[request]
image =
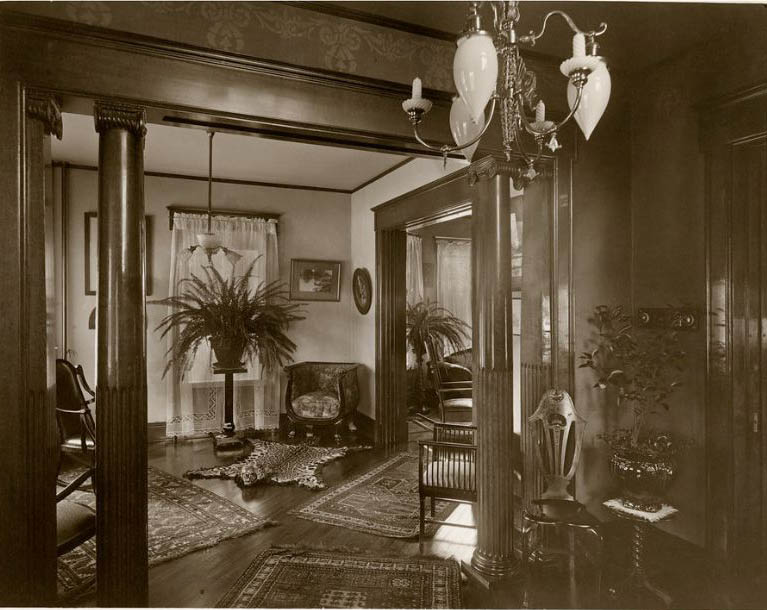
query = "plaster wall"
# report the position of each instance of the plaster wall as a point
(406, 178)
(313, 225)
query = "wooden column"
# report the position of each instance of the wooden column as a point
(391, 383)
(493, 377)
(121, 437)
(32, 578)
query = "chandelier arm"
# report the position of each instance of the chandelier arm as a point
(557, 126)
(532, 36)
(448, 149)
(520, 145)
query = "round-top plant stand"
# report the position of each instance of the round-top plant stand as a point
(637, 581)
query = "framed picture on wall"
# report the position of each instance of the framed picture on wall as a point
(314, 280)
(91, 253)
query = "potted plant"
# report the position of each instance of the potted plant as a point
(239, 323)
(643, 367)
(427, 321)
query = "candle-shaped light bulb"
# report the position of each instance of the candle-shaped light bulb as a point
(540, 112)
(579, 45)
(417, 87)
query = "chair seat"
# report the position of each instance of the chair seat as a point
(316, 405)
(74, 524)
(458, 403)
(455, 474)
(566, 512)
(75, 442)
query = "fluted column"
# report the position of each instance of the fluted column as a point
(493, 372)
(121, 442)
(43, 117)
(391, 389)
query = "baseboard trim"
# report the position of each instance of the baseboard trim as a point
(155, 431)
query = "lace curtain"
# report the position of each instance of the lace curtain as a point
(195, 405)
(454, 277)
(414, 280)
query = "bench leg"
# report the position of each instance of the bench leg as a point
(422, 516)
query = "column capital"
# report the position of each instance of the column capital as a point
(489, 167)
(113, 115)
(45, 107)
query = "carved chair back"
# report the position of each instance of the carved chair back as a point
(559, 434)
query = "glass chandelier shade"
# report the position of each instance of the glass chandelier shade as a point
(464, 128)
(490, 74)
(475, 72)
(594, 98)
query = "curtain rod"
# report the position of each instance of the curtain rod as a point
(180, 209)
(453, 238)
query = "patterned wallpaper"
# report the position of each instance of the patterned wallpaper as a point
(282, 33)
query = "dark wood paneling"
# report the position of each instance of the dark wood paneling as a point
(121, 507)
(390, 387)
(734, 138)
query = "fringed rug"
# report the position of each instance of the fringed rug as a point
(303, 578)
(279, 463)
(383, 501)
(182, 518)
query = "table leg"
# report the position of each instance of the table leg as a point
(637, 580)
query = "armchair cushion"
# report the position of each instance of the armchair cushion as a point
(316, 405)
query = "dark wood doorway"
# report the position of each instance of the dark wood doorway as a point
(735, 143)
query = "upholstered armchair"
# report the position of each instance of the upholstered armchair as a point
(321, 394)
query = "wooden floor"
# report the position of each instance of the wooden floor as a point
(201, 578)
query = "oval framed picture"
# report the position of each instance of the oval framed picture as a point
(362, 289)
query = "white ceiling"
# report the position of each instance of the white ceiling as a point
(180, 150)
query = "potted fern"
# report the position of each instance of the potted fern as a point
(643, 368)
(238, 322)
(427, 321)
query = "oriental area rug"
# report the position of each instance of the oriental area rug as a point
(383, 501)
(303, 578)
(280, 463)
(182, 518)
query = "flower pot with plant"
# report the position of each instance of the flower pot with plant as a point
(643, 368)
(427, 321)
(238, 322)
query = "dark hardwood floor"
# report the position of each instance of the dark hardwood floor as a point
(201, 578)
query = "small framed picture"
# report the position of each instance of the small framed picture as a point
(313, 280)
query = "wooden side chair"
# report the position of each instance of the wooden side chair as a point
(74, 418)
(558, 436)
(452, 382)
(75, 522)
(447, 467)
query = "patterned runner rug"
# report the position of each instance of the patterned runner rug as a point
(182, 518)
(303, 578)
(279, 463)
(383, 501)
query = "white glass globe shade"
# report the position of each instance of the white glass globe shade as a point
(464, 128)
(208, 241)
(596, 94)
(475, 72)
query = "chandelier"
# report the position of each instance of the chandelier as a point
(512, 89)
(210, 242)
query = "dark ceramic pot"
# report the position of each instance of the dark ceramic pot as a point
(644, 479)
(228, 351)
